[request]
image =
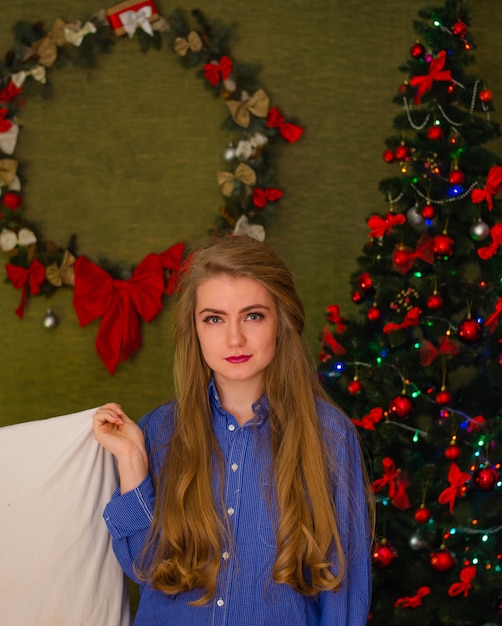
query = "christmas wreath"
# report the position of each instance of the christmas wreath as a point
(120, 298)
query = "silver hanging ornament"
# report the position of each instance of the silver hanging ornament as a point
(50, 320)
(414, 217)
(229, 153)
(418, 542)
(480, 230)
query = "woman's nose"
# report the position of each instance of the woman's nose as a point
(235, 335)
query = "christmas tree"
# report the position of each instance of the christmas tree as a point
(419, 368)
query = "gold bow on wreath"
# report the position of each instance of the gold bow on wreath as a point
(62, 274)
(258, 105)
(8, 169)
(192, 42)
(243, 173)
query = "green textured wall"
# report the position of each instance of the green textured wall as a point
(126, 156)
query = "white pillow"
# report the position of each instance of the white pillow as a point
(57, 567)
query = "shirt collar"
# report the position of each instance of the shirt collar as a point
(260, 407)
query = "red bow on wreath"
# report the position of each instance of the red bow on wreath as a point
(467, 575)
(26, 279)
(5, 124)
(120, 303)
(412, 601)
(457, 480)
(492, 187)
(429, 352)
(216, 69)
(488, 251)
(262, 196)
(381, 226)
(491, 322)
(412, 318)
(290, 132)
(436, 72)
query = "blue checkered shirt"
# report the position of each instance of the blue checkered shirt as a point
(246, 595)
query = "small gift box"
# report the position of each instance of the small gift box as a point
(127, 16)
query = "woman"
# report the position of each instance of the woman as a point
(244, 501)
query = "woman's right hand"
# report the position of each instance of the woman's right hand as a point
(121, 436)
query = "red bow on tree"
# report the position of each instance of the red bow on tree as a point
(488, 251)
(381, 226)
(436, 72)
(467, 575)
(492, 187)
(492, 321)
(428, 352)
(120, 303)
(335, 318)
(403, 257)
(368, 421)
(388, 477)
(290, 132)
(457, 480)
(26, 279)
(412, 601)
(328, 338)
(262, 196)
(412, 318)
(222, 68)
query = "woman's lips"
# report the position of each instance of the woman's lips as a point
(242, 358)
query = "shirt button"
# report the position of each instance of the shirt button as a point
(220, 602)
(235, 467)
(231, 427)
(230, 511)
(225, 555)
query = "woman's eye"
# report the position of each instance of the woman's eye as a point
(212, 319)
(253, 317)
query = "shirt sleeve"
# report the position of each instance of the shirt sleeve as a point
(128, 518)
(350, 604)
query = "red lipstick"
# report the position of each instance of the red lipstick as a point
(242, 358)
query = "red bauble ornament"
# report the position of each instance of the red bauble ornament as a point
(470, 331)
(459, 29)
(357, 297)
(435, 302)
(388, 156)
(443, 245)
(442, 560)
(453, 452)
(422, 515)
(417, 50)
(364, 281)
(383, 553)
(401, 406)
(374, 314)
(402, 153)
(435, 133)
(428, 212)
(485, 95)
(443, 397)
(12, 200)
(456, 177)
(485, 478)
(401, 257)
(355, 386)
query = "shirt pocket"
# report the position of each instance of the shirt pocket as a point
(267, 520)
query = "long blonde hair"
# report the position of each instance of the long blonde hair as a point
(188, 535)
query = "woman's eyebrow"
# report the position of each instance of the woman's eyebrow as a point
(244, 310)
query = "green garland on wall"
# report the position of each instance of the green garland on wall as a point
(38, 266)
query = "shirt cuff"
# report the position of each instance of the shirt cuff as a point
(131, 512)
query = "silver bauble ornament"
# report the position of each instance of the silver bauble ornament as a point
(229, 154)
(480, 230)
(418, 542)
(50, 320)
(415, 218)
